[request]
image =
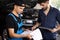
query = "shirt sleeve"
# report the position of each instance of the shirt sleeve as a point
(58, 16)
(39, 19)
(9, 22)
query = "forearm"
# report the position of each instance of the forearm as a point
(14, 35)
(37, 24)
(18, 35)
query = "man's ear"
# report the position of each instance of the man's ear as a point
(15, 6)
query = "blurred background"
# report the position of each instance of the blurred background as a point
(32, 5)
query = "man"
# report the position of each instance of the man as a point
(48, 16)
(14, 23)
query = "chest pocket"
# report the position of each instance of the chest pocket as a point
(19, 24)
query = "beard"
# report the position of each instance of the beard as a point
(44, 8)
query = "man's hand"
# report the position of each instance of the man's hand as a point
(33, 28)
(29, 36)
(53, 30)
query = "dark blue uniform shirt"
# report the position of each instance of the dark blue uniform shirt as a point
(49, 21)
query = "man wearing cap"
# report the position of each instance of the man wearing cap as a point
(14, 23)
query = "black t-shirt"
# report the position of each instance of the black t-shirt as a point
(11, 23)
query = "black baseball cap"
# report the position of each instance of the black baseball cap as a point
(19, 3)
(10, 5)
(16, 2)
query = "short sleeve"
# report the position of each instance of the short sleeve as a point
(39, 18)
(9, 22)
(58, 17)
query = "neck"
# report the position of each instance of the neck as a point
(47, 10)
(48, 7)
(15, 13)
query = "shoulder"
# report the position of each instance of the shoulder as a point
(40, 11)
(55, 9)
(9, 18)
